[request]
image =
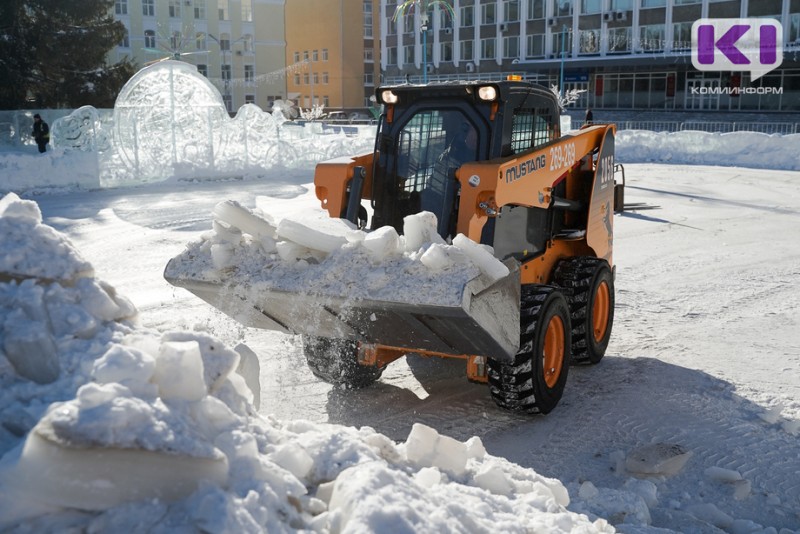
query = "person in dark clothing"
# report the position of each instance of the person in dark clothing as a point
(589, 116)
(41, 132)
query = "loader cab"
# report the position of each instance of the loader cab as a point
(427, 132)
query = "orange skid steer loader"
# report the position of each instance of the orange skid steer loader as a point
(488, 159)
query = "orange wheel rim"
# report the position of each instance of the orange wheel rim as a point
(600, 311)
(553, 351)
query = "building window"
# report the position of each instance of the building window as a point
(175, 8)
(247, 43)
(297, 78)
(794, 29)
(249, 71)
(488, 48)
(511, 10)
(200, 41)
(200, 10)
(324, 78)
(467, 50)
(535, 9)
(225, 42)
(619, 40)
(225, 72)
(488, 14)
(589, 7)
(391, 26)
(684, 2)
(621, 5)
(562, 8)
(368, 19)
(148, 8)
(247, 10)
(324, 54)
(391, 55)
(314, 55)
(589, 42)
(408, 24)
(315, 77)
(535, 46)
(408, 54)
(203, 69)
(682, 36)
(149, 39)
(446, 51)
(249, 99)
(228, 101)
(511, 47)
(306, 79)
(126, 40)
(445, 19)
(369, 55)
(305, 55)
(468, 16)
(369, 78)
(121, 7)
(654, 3)
(652, 37)
(222, 7)
(297, 57)
(566, 43)
(176, 41)
(326, 101)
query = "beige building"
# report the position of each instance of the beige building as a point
(332, 47)
(238, 44)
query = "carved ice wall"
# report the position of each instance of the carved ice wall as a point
(170, 121)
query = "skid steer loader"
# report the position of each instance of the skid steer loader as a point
(488, 159)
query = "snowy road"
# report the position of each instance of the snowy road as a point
(705, 351)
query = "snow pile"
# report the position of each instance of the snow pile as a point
(314, 254)
(141, 431)
(745, 149)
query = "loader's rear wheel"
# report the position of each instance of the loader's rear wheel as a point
(336, 362)
(534, 381)
(591, 305)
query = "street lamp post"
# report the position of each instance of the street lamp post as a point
(424, 29)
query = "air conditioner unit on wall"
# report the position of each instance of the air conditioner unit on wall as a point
(239, 52)
(608, 17)
(504, 27)
(470, 67)
(429, 68)
(621, 15)
(552, 22)
(448, 31)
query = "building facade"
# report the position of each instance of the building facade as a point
(332, 47)
(238, 44)
(625, 54)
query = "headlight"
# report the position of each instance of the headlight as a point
(388, 97)
(487, 92)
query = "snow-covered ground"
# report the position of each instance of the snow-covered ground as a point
(700, 385)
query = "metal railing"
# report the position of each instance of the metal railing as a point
(781, 128)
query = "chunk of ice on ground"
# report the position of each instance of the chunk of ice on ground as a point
(382, 243)
(302, 234)
(425, 447)
(657, 459)
(179, 371)
(238, 216)
(723, 475)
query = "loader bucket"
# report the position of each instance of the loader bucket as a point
(485, 323)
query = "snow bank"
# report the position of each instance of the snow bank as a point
(742, 149)
(144, 431)
(314, 254)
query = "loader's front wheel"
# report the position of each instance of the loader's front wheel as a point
(591, 305)
(534, 381)
(336, 362)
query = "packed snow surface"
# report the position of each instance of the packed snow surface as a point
(689, 424)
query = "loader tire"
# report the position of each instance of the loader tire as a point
(336, 362)
(534, 381)
(589, 284)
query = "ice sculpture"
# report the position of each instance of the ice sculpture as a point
(167, 115)
(81, 130)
